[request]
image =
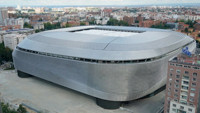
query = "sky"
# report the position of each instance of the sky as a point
(92, 2)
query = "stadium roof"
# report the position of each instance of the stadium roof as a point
(107, 42)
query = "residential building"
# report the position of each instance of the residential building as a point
(129, 20)
(38, 26)
(11, 40)
(3, 15)
(197, 26)
(183, 84)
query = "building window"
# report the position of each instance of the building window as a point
(171, 69)
(191, 104)
(186, 82)
(169, 89)
(170, 84)
(193, 89)
(183, 102)
(181, 107)
(195, 74)
(179, 65)
(195, 68)
(189, 109)
(177, 81)
(178, 71)
(184, 87)
(192, 99)
(194, 79)
(184, 92)
(175, 100)
(193, 84)
(192, 94)
(186, 77)
(184, 97)
(176, 85)
(176, 90)
(170, 74)
(175, 95)
(186, 72)
(174, 110)
(169, 93)
(174, 105)
(171, 64)
(170, 79)
(177, 76)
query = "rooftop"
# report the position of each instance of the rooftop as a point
(194, 59)
(105, 42)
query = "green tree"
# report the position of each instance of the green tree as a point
(5, 53)
(40, 19)
(199, 35)
(67, 25)
(92, 22)
(7, 109)
(136, 21)
(122, 23)
(21, 109)
(160, 26)
(186, 30)
(115, 22)
(37, 30)
(82, 23)
(48, 26)
(27, 25)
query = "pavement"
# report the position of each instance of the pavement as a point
(47, 97)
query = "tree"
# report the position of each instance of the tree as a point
(82, 23)
(27, 25)
(92, 22)
(7, 109)
(37, 30)
(48, 26)
(21, 109)
(136, 21)
(186, 30)
(160, 26)
(115, 22)
(5, 54)
(40, 19)
(67, 25)
(122, 23)
(112, 22)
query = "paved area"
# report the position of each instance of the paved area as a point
(51, 98)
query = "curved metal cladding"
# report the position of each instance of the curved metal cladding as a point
(106, 67)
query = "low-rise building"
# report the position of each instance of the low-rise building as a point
(197, 26)
(38, 26)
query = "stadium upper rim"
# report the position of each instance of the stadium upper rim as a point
(107, 42)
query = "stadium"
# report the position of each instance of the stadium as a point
(113, 64)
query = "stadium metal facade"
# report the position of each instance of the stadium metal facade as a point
(110, 63)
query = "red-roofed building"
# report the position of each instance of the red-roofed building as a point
(182, 26)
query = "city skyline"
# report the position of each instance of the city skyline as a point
(91, 2)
